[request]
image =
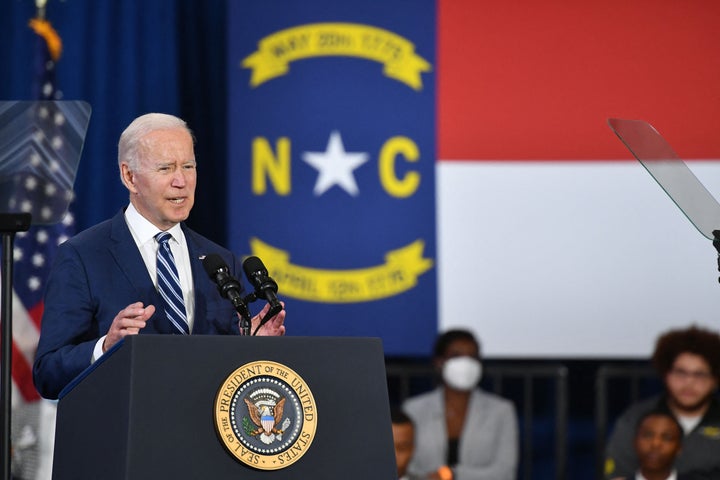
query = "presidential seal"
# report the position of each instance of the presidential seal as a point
(265, 415)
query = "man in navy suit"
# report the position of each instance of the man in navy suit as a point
(103, 285)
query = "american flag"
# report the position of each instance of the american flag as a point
(40, 146)
(36, 189)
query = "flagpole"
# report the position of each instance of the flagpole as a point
(40, 6)
(10, 224)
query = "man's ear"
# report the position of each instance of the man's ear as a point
(127, 177)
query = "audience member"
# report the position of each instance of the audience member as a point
(658, 440)
(688, 361)
(404, 439)
(461, 431)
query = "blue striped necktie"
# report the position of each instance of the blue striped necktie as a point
(169, 285)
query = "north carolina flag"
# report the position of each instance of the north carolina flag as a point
(332, 162)
(551, 240)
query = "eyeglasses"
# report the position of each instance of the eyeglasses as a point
(697, 375)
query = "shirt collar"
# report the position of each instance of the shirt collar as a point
(144, 230)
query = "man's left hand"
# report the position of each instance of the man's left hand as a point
(273, 327)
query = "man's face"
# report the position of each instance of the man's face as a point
(162, 189)
(403, 437)
(690, 383)
(657, 443)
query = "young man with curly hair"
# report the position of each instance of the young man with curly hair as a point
(688, 361)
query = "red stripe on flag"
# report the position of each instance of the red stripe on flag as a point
(35, 313)
(22, 375)
(527, 80)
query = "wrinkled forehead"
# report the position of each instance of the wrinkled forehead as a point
(173, 145)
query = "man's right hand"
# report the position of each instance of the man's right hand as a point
(128, 321)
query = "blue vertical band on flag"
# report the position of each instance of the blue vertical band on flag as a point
(332, 162)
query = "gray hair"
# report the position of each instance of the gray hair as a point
(130, 140)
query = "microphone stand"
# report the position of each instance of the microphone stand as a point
(242, 308)
(244, 319)
(270, 313)
(247, 300)
(10, 224)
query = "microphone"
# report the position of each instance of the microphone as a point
(265, 287)
(227, 285)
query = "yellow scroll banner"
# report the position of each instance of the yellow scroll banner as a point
(398, 274)
(276, 51)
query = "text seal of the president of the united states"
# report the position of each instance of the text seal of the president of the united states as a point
(265, 415)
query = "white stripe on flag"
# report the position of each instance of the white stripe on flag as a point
(570, 259)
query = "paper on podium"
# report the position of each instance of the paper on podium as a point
(670, 172)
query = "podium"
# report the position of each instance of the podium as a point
(149, 408)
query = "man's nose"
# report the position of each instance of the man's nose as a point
(179, 179)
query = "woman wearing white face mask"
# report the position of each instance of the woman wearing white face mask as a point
(461, 431)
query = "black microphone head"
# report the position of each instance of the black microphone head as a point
(258, 276)
(219, 273)
(253, 266)
(214, 263)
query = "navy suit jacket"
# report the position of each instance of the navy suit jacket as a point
(99, 272)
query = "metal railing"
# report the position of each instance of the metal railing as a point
(498, 376)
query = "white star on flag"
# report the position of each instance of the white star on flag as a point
(335, 166)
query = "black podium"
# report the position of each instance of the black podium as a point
(148, 410)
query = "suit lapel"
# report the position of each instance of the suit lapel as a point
(128, 259)
(198, 272)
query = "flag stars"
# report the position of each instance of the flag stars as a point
(59, 119)
(62, 239)
(50, 189)
(17, 254)
(26, 206)
(68, 219)
(335, 166)
(47, 89)
(41, 236)
(57, 144)
(46, 213)
(30, 183)
(34, 283)
(38, 260)
(34, 159)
